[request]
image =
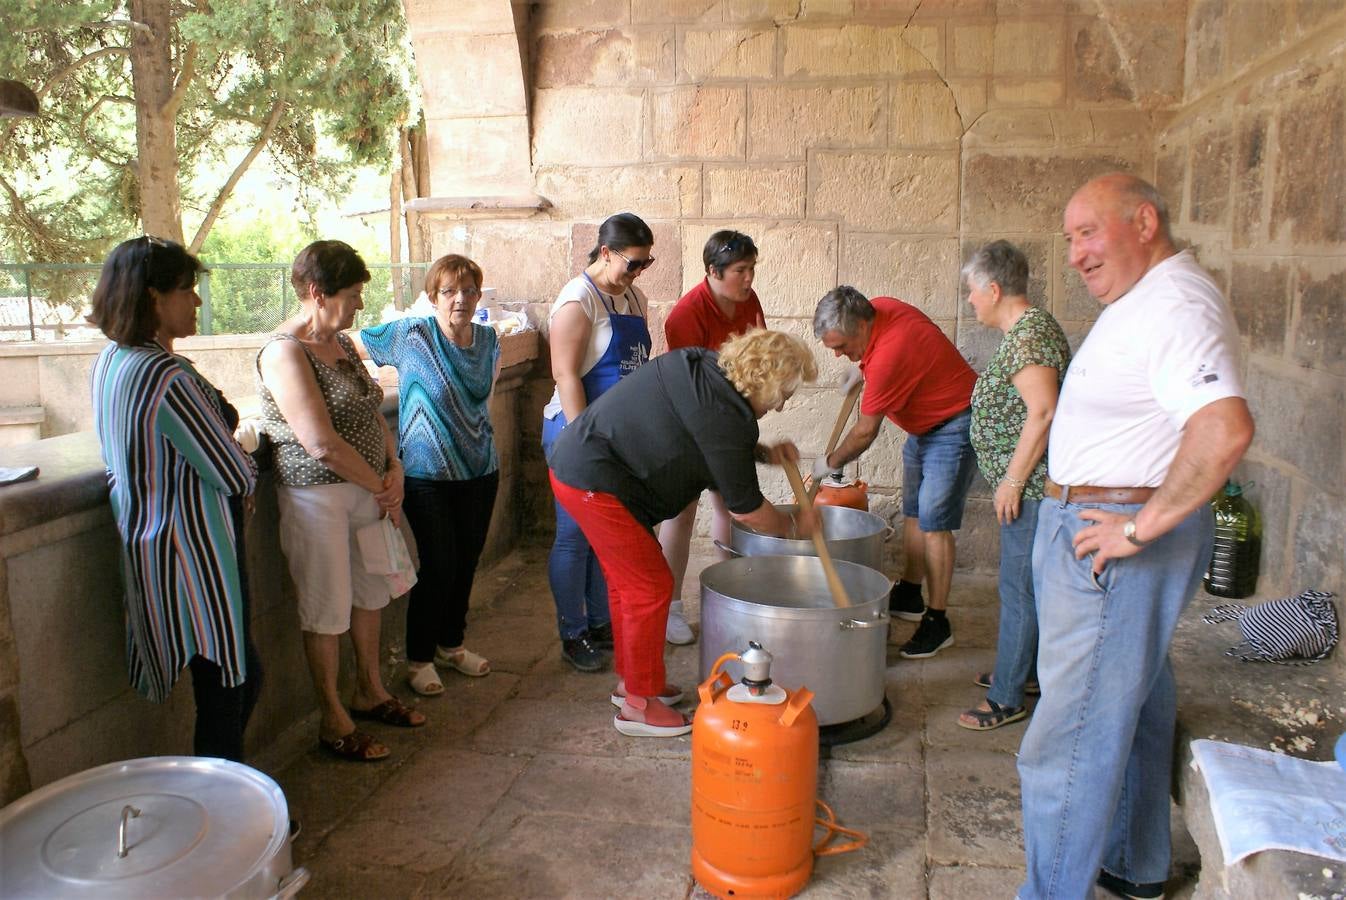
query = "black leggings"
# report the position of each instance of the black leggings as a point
(449, 520)
(222, 713)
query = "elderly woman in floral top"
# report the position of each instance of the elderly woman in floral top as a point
(1012, 408)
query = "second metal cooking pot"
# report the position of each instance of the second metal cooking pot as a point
(164, 826)
(783, 603)
(852, 534)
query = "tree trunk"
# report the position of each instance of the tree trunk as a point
(152, 79)
(411, 147)
(395, 238)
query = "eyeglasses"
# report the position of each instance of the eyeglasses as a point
(471, 293)
(152, 241)
(634, 265)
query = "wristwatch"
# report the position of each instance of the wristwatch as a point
(1129, 532)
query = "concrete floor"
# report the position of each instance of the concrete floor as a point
(520, 786)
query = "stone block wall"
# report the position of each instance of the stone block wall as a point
(869, 142)
(1254, 161)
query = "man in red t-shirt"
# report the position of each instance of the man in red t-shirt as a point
(915, 376)
(722, 305)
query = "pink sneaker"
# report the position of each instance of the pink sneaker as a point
(635, 719)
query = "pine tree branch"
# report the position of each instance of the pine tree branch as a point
(184, 81)
(76, 65)
(217, 204)
(56, 79)
(95, 149)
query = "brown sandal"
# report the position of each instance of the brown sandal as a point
(391, 712)
(358, 745)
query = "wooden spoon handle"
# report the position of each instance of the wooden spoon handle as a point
(846, 406)
(820, 544)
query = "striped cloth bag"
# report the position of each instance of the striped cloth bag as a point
(1292, 631)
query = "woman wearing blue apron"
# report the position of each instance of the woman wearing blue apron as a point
(598, 334)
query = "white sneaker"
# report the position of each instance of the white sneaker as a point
(678, 631)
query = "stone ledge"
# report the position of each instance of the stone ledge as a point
(1287, 708)
(22, 415)
(493, 207)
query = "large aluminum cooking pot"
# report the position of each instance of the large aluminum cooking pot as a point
(782, 602)
(852, 534)
(164, 826)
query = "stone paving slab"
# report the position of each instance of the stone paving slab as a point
(418, 820)
(947, 679)
(966, 882)
(874, 797)
(575, 728)
(543, 854)
(974, 808)
(610, 789)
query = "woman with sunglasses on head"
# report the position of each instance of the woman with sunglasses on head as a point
(177, 478)
(721, 306)
(446, 366)
(337, 471)
(598, 334)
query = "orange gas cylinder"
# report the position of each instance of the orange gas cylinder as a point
(754, 782)
(834, 491)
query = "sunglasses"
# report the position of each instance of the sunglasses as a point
(730, 245)
(634, 265)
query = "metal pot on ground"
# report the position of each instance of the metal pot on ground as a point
(782, 602)
(164, 826)
(852, 535)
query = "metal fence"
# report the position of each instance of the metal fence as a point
(48, 301)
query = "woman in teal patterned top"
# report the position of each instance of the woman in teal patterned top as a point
(446, 366)
(1012, 408)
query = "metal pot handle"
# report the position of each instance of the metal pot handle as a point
(852, 624)
(129, 812)
(291, 884)
(720, 545)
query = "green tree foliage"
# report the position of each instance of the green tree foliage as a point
(320, 85)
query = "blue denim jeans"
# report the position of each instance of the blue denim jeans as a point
(937, 470)
(1096, 763)
(577, 584)
(1016, 649)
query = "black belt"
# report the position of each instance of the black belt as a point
(935, 428)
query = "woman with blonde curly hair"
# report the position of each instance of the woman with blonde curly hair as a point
(644, 450)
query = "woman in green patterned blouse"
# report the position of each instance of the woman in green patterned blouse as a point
(1012, 408)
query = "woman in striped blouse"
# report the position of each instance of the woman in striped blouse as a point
(176, 477)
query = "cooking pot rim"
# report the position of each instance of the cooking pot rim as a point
(874, 593)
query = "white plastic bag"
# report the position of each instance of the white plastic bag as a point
(384, 551)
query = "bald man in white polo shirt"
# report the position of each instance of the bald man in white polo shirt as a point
(1150, 422)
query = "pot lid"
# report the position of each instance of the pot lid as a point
(188, 826)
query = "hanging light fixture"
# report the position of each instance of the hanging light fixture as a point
(17, 100)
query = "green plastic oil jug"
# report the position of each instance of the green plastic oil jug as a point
(1238, 544)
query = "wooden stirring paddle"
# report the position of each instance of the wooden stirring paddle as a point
(824, 555)
(846, 406)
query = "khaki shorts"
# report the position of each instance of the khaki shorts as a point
(317, 533)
